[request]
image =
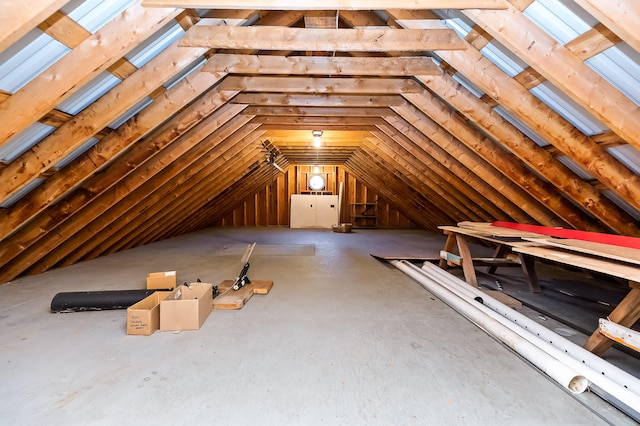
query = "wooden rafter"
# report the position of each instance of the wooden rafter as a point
(531, 43)
(320, 39)
(621, 16)
(282, 99)
(390, 86)
(61, 79)
(18, 18)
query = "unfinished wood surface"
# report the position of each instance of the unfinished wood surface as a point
(18, 18)
(584, 85)
(622, 254)
(64, 29)
(65, 76)
(328, 100)
(232, 299)
(604, 266)
(95, 117)
(389, 86)
(621, 16)
(530, 153)
(625, 314)
(323, 65)
(488, 229)
(328, 5)
(320, 39)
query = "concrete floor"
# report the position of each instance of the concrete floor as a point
(342, 339)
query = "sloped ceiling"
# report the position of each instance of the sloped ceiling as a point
(125, 122)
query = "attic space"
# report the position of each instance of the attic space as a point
(359, 144)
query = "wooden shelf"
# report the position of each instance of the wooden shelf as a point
(364, 215)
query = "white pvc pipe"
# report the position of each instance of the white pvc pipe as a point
(602, 367)
(468, 293)
(546, 363)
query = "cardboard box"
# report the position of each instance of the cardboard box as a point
(186, 307)
(143, 318)
(161, 280)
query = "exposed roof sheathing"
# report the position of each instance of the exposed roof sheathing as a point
(124, 117)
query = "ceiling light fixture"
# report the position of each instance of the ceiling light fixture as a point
(317, 138)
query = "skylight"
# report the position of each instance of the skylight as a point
(558, 20)
(569, 109)
(620, 65)
(88, 93)
(94, 14)
(24, 141)
(503, 58)
(27, 58)
(155, 44)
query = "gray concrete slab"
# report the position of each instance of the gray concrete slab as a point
(341, 339)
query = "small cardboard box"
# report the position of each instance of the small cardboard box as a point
(186, 307)
(143, 318)
(161, 280)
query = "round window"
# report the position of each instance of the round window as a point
(316, 183)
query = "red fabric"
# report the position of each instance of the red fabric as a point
(596, 237)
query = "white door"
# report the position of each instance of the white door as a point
(327, 211)
(303, 211)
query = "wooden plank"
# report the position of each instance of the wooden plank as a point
(321, 39)
(389, 86)
(318, 111)
(18, 18)
(596, 40)
(323, 65)
(623, 254)
(78, 67)
(292, 99)
(327, 5)
(64, 29)
(575, 78)
(625, 314)
(621, 16)
(604, 266)
(503, 298)
(95, 117)
(623, 335)
(231, 299)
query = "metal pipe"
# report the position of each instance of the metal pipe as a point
(627, 398)
(546, 363)
(602, 367)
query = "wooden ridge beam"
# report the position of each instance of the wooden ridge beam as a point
(321, 65)
(320, 39)
(327, 5)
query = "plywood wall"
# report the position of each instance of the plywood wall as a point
(270, 206)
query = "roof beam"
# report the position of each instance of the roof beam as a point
(19, 17)
(321, 39)
(389, 86)
(322, 65)
(327, 4)
(278, 99)
(531, 153)
(621, 16)
(556, 63)
(78, 67)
